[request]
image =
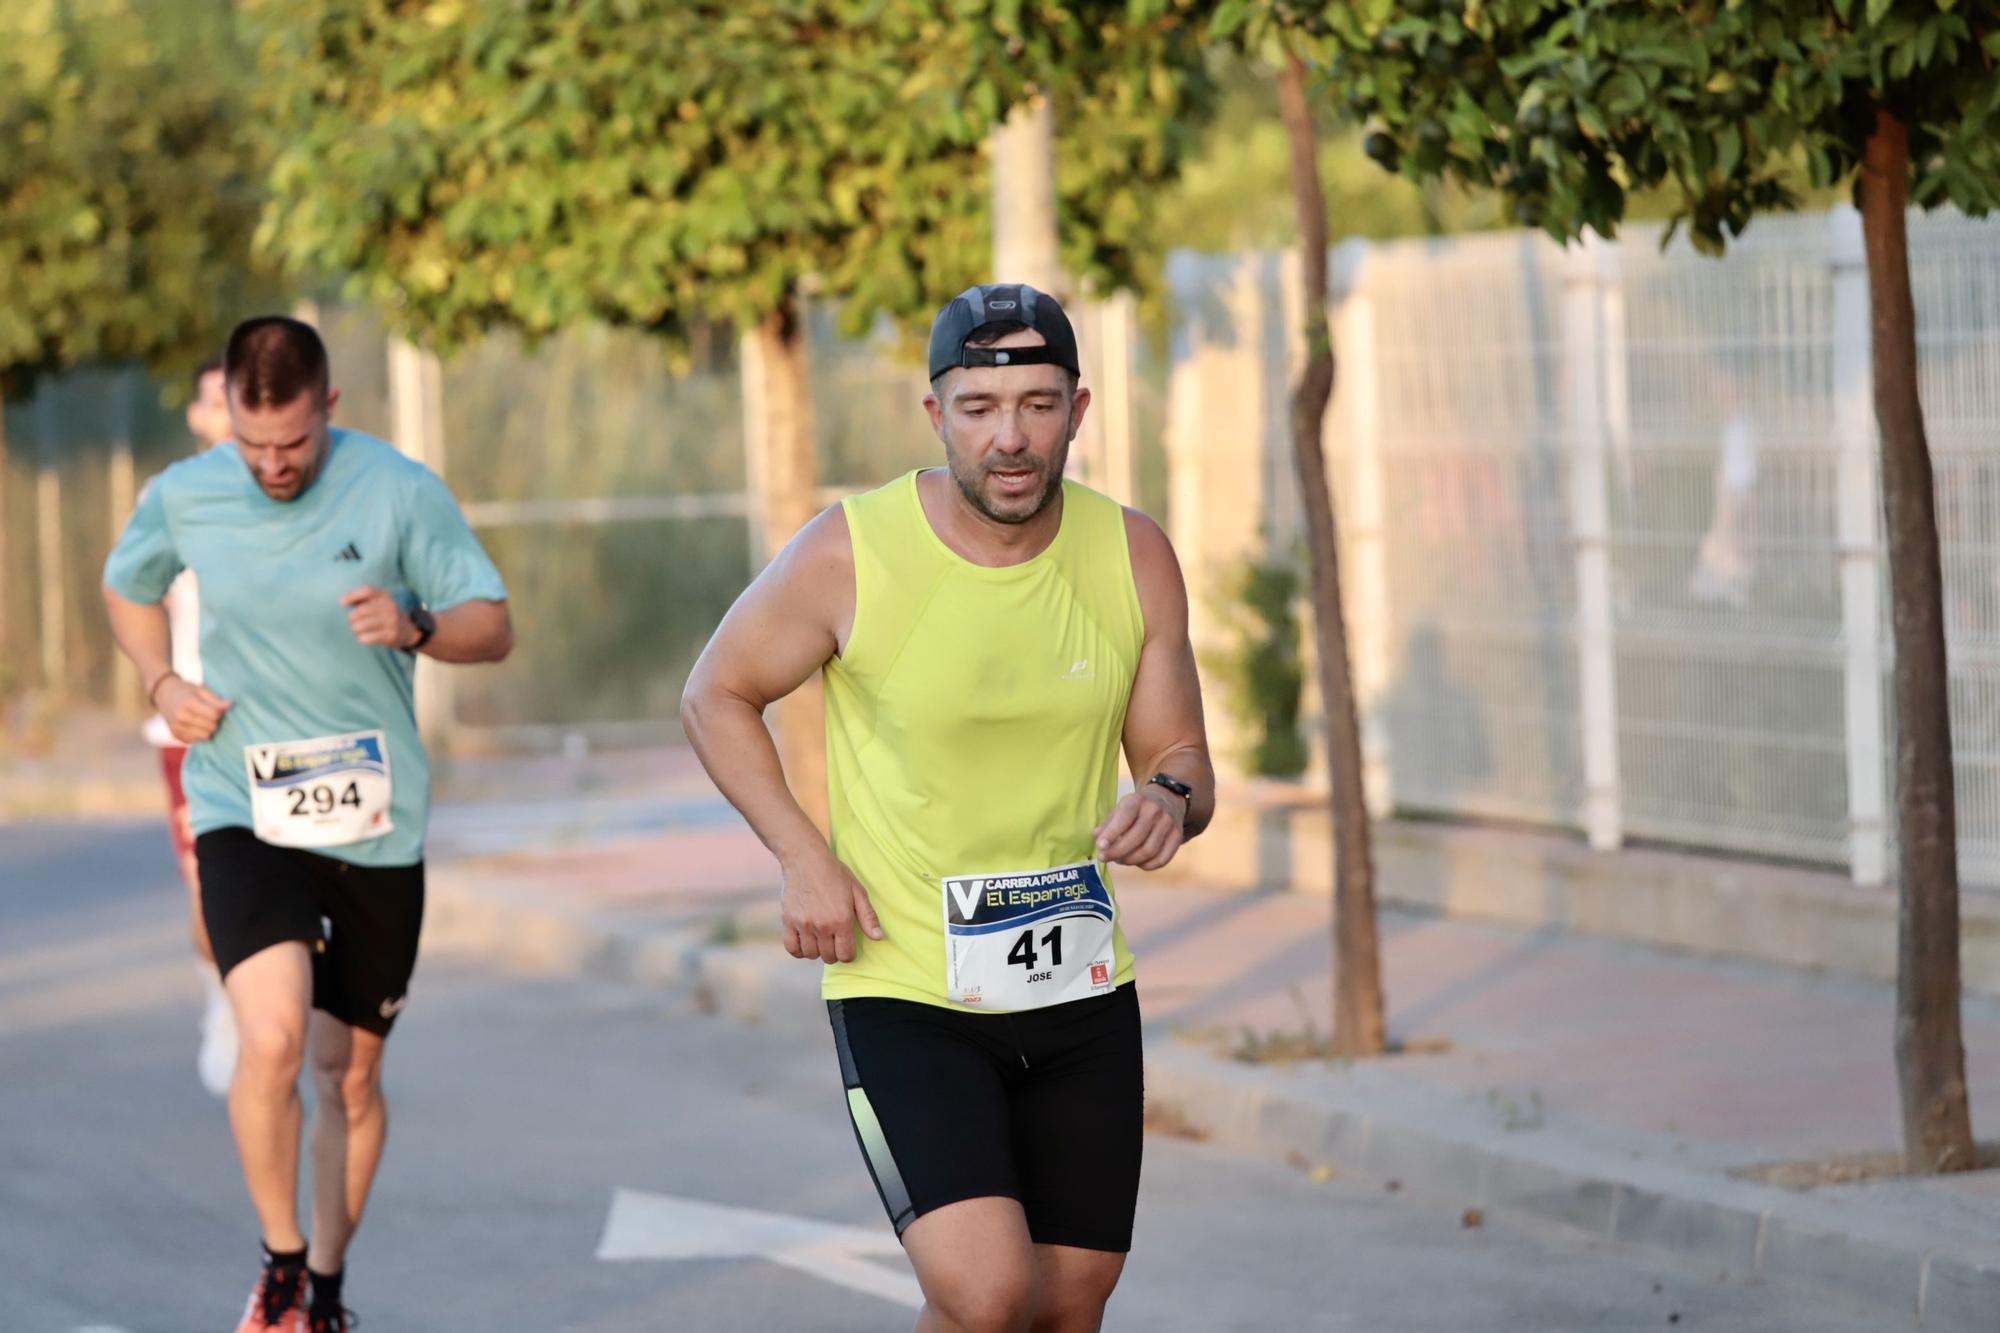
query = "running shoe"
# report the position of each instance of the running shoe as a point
(217, 1061)
(276, 1306)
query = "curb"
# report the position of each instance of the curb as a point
(742, 983)
(1439, 1142)
(539, 940)
(1889, 1258)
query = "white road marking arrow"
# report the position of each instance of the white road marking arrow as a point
(660, 1226)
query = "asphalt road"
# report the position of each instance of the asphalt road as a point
(522, 1107)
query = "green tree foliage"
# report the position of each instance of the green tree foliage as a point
(1729, 107)
(1235, 193)
(127, 193)
(127, 201)
(653, 162)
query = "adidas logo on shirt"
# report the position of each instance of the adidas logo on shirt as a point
(348, 552)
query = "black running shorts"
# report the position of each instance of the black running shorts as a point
(1046, 1107)
(361, 922)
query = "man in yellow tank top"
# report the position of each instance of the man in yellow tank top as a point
(993, 637)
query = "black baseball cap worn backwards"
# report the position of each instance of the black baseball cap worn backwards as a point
(997, 302)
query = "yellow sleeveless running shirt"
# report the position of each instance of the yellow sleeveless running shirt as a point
(973, 721)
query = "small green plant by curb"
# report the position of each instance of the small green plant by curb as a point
(1513, 1115)
(1261, 671)
(1279, 1048)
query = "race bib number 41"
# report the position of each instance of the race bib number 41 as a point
(327, 792)
(1029, 939)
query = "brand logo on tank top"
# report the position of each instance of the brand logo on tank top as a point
(1079, 670)
(348, 552)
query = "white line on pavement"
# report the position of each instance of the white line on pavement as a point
(660, 1226)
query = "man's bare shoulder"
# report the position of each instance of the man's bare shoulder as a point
(812, 579)
(1146, 539)
(823, 541)
(1157, 574)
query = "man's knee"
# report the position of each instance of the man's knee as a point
(1072, 1306)
(986, 1298)
(270, 1049)
(1074, 1293)
(356, 1084)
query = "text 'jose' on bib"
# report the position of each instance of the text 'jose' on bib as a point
(325, 792)
(1031, 938)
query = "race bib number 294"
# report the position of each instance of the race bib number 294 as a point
(1030, 938)
(326, 792)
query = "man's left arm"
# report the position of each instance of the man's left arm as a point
(474, 631)
(1164, 730)
(451, 576)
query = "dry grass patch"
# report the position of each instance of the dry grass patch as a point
(1846, 1169)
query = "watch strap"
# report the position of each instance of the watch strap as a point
(1178, 788)
(426, 624)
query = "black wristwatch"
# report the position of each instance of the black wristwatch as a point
(426, 624)
(1178, 788)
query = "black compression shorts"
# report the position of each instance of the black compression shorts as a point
(1046, 1107)
(361, 922)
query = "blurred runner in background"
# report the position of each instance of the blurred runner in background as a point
(208, 422)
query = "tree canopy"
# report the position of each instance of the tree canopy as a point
(1729, 106)
(653, 162)
(128, 193)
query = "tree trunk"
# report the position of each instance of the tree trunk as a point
(416, 413)
(49, 564)
(1359, 1026)
(1026, 244)
(1930, 1052)
(780, 454)
(127, 696)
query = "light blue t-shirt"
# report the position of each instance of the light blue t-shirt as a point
(275, 640)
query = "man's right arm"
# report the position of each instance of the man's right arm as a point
(787, 624)
(141, 632)
(137, 574)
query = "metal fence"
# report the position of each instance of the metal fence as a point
(611, 492)
(67, 481)
(1611, 522)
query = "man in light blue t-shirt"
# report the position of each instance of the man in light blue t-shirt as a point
(327, 561)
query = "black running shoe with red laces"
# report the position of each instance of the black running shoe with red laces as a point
(277, 1304)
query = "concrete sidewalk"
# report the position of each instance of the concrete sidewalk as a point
(1610, 1087)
